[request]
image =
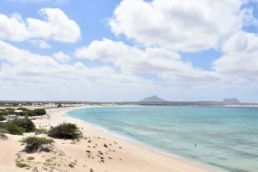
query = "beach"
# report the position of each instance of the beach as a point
(96, 151)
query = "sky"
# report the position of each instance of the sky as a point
(125, 50)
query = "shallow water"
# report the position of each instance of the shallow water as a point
(223, 137)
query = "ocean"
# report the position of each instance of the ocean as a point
(224, 137)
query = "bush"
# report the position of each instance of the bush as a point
(65, 131)
(10, 110)
(3, 113)
(2, 118)
(14, 129)
(36, 112)
(23, 109)
(34, 144)
(26, 124)
(39, 112)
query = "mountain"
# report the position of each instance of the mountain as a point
(231, 101)
(153, 99)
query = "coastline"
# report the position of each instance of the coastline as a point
(117, 153)
(140, 145)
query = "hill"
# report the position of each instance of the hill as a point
(153, 99)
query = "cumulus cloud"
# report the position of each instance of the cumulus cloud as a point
(61, 57)
(187, 26)
(39, 1)
(25, 74)
(158, 31)
(55, 26)
(40, 44)
(239, 58)
(162, 62)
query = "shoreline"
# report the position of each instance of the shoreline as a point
(137, 143)
(99, 150)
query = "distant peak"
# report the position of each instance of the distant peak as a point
(153, 98)
(231, 101)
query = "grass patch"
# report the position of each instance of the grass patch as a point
(21, 164)
(30, 158)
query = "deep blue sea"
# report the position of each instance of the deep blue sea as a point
(219, 136)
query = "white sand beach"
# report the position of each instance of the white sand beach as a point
(97, 151)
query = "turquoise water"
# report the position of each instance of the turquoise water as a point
(223, 137)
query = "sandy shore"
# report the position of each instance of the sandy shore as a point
(97, 151)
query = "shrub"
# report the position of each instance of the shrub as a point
(36, 112)
(2, 118)
(10, 110)
(36, 143)
(65, 131)
(23, 109)
(14, 129)
(25, 123)
(3, 113)
(39, 112)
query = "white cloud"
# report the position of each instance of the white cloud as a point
(61, 57)
(166, 64)
(248, 17)
(25, 75)
(39, 1)
(56, 26)
(187, 26)
(40, 44)
(161, 28)
(239, 58)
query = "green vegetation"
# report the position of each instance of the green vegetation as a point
(34, 144)
(21, 164)
(18, 126)
(22, 112)
(39, 112)
(35, 112)
(25, 123)
(65, 131)
(10, 110)
(14, 129)
(30, 158)
(2, 118)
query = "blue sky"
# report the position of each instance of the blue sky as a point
(124, 50)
